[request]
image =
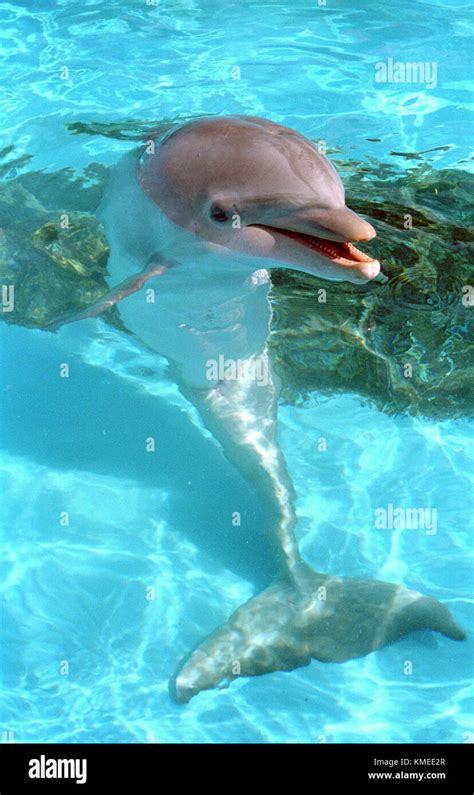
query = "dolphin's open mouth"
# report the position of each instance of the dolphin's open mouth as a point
(344, 253)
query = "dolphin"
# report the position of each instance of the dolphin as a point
(194, 221)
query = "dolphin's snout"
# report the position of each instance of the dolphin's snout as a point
(365, 232)
(345, 225)
(366, 271)
(372, 269)
(340, 225)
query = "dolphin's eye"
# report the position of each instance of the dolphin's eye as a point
(218, 214)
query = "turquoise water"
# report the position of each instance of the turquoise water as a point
(77, 594)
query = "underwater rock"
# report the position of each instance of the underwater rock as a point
(407, 344)
(54, 255)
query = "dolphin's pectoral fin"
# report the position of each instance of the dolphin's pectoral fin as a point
(116, 294)
(311, 615)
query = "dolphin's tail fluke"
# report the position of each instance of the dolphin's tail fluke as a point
(308, 616)
(302, 615)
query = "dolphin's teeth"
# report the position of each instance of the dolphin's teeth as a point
(338, 251)
(335, 253)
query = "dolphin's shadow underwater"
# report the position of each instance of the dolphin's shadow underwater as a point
(196, 220)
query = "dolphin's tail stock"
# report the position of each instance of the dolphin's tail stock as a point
(303, 614)
(308, 616)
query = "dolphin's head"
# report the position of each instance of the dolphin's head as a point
(250, 187)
